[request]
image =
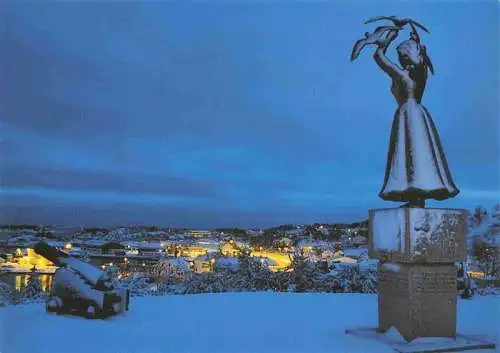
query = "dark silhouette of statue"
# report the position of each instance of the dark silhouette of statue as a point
(416, 167)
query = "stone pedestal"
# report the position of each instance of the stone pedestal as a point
(417, 277)
(420, 301)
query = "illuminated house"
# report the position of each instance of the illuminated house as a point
(148, 249)
(203, 263)
(192, 251)
(33, 261)
(230, 248)
(314, 246)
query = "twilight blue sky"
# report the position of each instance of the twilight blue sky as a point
(217, 114)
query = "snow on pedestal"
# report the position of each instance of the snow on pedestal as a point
(408, 234)
(388, 229)
(437, 233)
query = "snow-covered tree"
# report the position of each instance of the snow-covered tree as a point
(485, 225)
(253, 274)
(305, 274)
(33, 290)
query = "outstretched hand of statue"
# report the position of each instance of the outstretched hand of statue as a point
(391, 35)
(377, 37)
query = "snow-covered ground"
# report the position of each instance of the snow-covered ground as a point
(223, 323)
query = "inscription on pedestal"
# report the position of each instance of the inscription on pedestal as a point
(420, 301)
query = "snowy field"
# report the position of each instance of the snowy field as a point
(223, 323)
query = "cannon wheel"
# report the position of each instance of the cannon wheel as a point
(55, 305)
(92, 312)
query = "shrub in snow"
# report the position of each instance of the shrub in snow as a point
(137, 285)
(169, 272)
(206, 282)
(306, 275)
(488, 291)
(309, 276)
(350, 280)
(356, 281)
(8, 295)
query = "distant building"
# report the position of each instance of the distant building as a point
(358, 240)
(294, 232)
(199, 233)
(113, 248)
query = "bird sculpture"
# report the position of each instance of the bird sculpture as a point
(399, 22)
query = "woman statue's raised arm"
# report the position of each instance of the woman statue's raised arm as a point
(393, 70)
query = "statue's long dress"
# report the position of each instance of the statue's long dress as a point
(416, 164)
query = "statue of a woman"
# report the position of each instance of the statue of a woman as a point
(416, 165)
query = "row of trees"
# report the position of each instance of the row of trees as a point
(251, 274)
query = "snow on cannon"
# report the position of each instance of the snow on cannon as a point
(81, 288)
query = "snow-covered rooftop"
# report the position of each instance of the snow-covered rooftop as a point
(92, 242)
(150, 245)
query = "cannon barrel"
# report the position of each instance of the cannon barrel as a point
(82, 287)
(88, 271)
(50, 253)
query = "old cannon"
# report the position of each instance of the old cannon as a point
(81, 288)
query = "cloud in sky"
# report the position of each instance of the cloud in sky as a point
(220, 114)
